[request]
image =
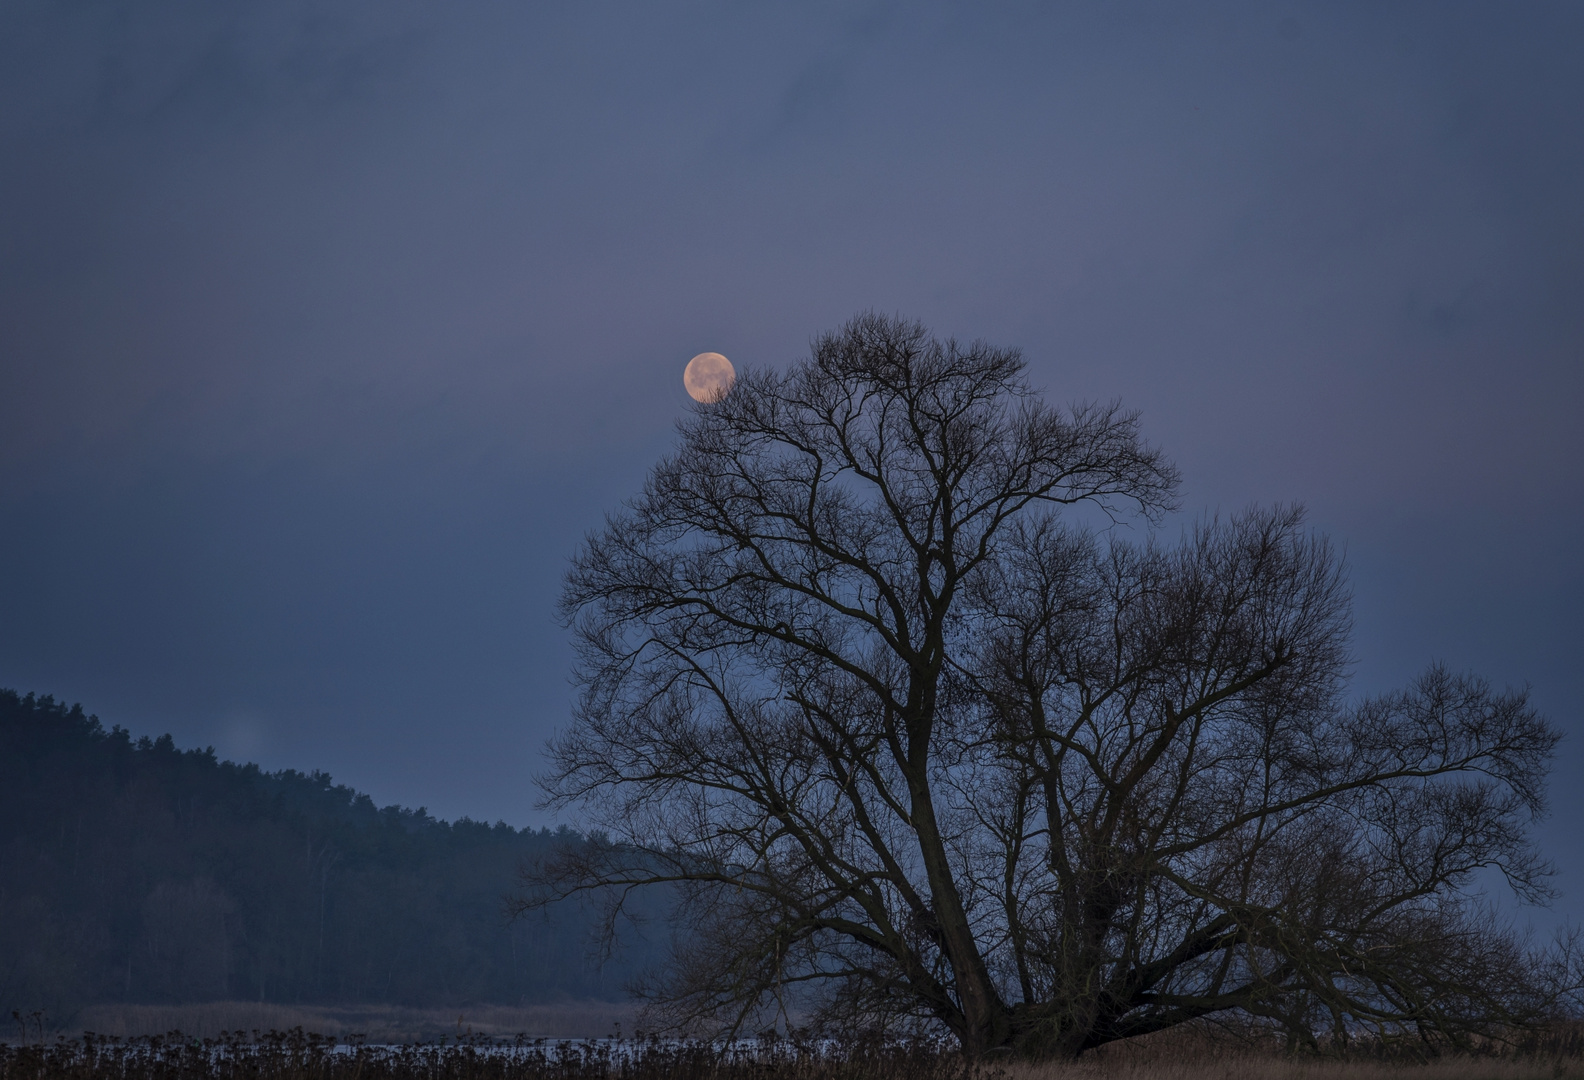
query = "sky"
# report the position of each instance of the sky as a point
(327, 330)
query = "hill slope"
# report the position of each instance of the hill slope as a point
(133, 871)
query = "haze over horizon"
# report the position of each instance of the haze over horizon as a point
(327, 333)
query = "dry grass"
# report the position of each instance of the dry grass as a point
(298, 1056)
(484, 1044)
(1193, 1053)
(377, 1023)
(1262, 1067)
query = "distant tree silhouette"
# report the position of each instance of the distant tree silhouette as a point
(916, 748)
(134, 871)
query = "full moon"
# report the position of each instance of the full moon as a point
(709, 377)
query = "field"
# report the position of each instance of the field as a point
(295, 1055)
(375, 1023)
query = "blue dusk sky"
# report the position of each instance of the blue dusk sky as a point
(328, 329)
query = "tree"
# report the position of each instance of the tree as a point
(913, 747)
(132, 871)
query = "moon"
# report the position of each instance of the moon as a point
(708, 377)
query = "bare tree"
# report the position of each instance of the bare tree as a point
(913, 748)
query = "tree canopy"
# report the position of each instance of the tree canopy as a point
(915, 745)
(134, 871)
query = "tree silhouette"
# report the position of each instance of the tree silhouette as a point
(913, 747)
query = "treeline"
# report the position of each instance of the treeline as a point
(133, 871)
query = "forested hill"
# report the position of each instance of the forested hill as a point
(134, 871)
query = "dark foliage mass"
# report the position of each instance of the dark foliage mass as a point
(134, 871)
